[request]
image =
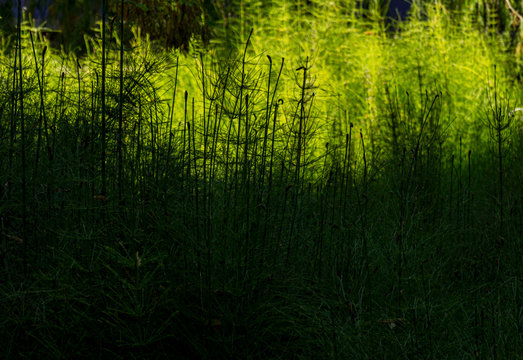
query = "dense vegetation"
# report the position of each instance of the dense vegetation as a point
(330, 184)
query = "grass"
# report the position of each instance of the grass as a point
(250, 206)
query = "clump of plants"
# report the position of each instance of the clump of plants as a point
(251, 203)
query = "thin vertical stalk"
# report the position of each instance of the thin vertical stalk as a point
(196, 189)
(186, 95)
(242, 86)
(460, 183)
(301, 124)
(120, 109)
(217, 126)
(12, 130)
(246, 183)
(364, 213)
(103, 134)
(269, 185)
(23, 138)
(42, 117)
(171, 115)
(342, 199)
(451, 184)
(266, 127)
(469, 191)
(270, 101)
(348, 170)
